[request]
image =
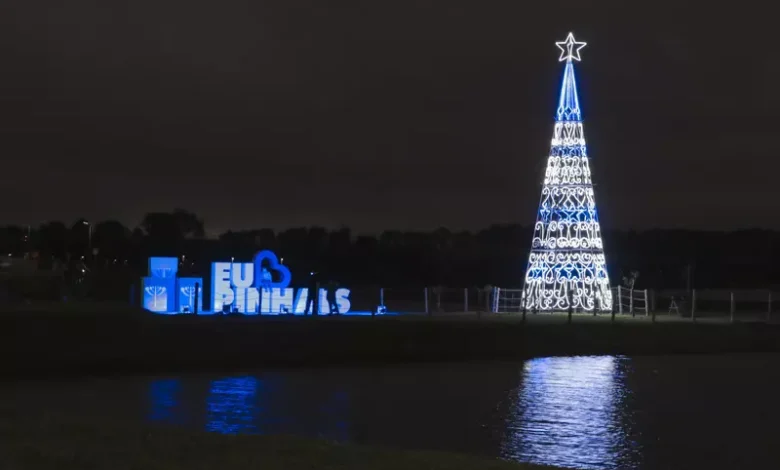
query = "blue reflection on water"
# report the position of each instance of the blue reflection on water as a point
(163, 398)
(566, 414)
(230, 406)
(268, 404)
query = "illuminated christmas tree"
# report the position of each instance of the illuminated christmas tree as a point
(566, 266)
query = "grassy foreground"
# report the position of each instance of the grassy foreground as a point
(48, 344)
(77, 445)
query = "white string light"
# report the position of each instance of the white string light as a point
(566, 266)
(570, 48)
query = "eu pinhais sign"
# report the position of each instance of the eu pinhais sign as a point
(262, 286)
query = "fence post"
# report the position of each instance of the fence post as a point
(382, 296)
(522, 299)
(732, 306)
(647, 306)
(425, 292)
(465, 299)
(769, 308)
(652, 300)
(631, 302)
(693, 305)
(620, 301)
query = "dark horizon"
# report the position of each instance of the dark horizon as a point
(496, 255)
(414, 116)
(215, 234)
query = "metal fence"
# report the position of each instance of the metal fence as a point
(725, 304)
(737, 305)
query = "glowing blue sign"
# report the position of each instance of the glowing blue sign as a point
(259, 287)
(159, 288)
(190, 292)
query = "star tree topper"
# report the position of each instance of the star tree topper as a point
(570, 48)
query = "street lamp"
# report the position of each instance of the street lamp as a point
(89, 238)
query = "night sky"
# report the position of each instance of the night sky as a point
(408, 114)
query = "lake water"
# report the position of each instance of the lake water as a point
(605, 412)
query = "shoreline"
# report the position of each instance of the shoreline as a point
(46, 345)
(74, 442)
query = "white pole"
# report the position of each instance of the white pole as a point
(425, 292)
(382, 296)
(620, 301)
(647, 308)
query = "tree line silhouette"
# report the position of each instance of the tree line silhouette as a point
(496, 255)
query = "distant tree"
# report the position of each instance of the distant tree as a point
(12, 240)
(292, 242)
(340, 241)
(167, 231)
(111, 238)
(316, 242)
(52, 239)
(79, 238)
(630, 280)
(266, 238)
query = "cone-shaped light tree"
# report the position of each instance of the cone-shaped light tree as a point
(566, 266)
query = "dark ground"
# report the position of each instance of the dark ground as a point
(89, 442)
(44, 344)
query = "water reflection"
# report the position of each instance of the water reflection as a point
(266, 404)
(675, 412)
(231, 405)
(567, 414)
(164, 401)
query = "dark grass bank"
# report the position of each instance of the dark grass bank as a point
(42, 345)
(93, 443)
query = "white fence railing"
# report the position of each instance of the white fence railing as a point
(631, 301)
(739, 304)
(625, 301)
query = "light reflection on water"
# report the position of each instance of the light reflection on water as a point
(269, 404)
(674, 412)
(564, 411)
(231, 406)
(567, 414)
